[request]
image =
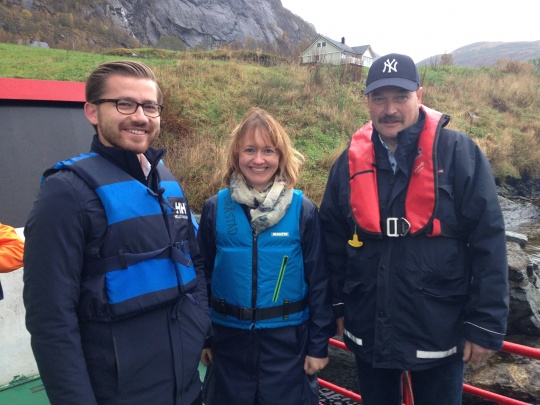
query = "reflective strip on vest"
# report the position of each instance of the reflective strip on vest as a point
(355, 340)
(421, 354)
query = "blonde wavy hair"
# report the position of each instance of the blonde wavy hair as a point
(290, 160)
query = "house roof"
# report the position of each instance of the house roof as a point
(43, 90)
(360, 50)
(340, 45)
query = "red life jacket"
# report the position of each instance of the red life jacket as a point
(421, 199)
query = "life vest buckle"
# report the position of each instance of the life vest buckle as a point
(396, 227)
(221, 308)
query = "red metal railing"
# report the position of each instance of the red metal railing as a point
(340, 390)
(507, 347)
(521, 350)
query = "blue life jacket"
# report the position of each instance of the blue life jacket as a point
(258, 279)
(145, 259)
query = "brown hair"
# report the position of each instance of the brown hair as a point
(96, 84)
(290, 159)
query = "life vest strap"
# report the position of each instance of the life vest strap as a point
(257, 314)
(395, 227)
(439, 228)
(124, 259)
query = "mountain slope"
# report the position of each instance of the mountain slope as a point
(488, 53)
(209, 24)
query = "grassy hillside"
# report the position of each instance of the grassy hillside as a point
(207, 93)
(63, 24)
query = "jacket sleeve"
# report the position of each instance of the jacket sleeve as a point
(198, 262)
(322, 324)
(11, 249)
(335, 228)
(55, 245)
(207, 246)
(207, 240)
(478, 206)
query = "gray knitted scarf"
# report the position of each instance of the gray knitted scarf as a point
(266, 207)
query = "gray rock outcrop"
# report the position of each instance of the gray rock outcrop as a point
(211, 23)
(523, 277)
(516, 213)
(507, 374)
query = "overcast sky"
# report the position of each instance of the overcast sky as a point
(421, 28)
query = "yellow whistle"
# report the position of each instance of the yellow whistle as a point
(354, 242)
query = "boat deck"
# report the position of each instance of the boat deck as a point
(30, 391)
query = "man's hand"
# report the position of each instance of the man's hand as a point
(313, 365)
(206, 356)
(339, 323)
(476, 354)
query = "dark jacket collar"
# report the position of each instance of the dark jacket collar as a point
(128, 161)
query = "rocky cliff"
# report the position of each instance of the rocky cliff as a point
(173, 24)
(508, 374)
(212, 23)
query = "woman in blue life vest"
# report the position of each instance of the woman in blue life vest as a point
(267, 280)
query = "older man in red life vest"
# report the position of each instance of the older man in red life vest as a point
(416, 245)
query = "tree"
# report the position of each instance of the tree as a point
(447, 59)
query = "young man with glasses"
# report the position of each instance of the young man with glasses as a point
(114, 290)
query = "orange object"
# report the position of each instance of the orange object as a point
(11, 249)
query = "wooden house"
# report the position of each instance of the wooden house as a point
(326, 50)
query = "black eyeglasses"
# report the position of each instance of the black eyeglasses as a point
(128, 107)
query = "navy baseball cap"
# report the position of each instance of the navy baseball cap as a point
(393, 70)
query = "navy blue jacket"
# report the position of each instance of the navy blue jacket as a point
(87, 358)
(321, 323)
(411, 302)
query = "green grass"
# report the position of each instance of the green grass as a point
(208, 92)
(26, 62)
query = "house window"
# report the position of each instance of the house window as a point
(318, 44)
(324, 44)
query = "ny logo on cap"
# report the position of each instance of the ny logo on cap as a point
(390, 65)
